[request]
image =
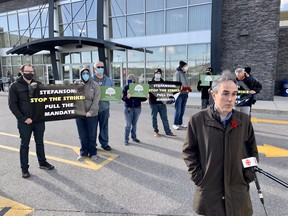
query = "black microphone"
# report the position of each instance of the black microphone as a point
(251, 163)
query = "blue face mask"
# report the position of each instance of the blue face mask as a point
(157, 76)
(100, 70)
(129, 81)
(85, 77)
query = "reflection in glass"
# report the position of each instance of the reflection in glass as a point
(136, 68)
(46, 59)
(134, 55)
(118, 27)
(200, 17)
(154, 5)
(75, 57)
(44, 17)
(91, 9)
(176, 53)
(135, 6)
(26, 60)
(36, 34)
(173, 3)
(16, 60)
(65, 30)
(34, 19)
(12, 21)
(6, 60)
(86, 57)
(157, 55)
(151, 67)
(3, 24)
(79, 28)
(37, 59)
(4, 40)
(23, 20)
(95, 57)
(92, 29)
(64, 13)
(117, 8)
(135, 25)
(65, 58)
(78, 11)
(75, 72)
(66, 72)
(199, 52)
(170, 69)
(118, 56)
(199, 1)
(155, 23)
(176, 20)
(14, 37)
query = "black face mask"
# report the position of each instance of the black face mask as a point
(28, 76)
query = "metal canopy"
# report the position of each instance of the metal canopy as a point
(35, 46)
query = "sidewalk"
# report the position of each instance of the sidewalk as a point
(279, 105)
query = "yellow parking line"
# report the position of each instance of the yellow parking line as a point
(11, 208)
(256, 120)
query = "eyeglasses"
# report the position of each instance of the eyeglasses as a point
(100, 67)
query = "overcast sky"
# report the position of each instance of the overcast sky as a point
(284, 5)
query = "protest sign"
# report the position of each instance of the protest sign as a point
(138, 90)
(164, 91)
(206, 79)
(109, 93)
(57, 102)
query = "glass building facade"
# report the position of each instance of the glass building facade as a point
(162, 33)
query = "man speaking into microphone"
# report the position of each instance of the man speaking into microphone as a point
(213, 151)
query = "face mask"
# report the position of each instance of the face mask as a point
(185, 68)
(85, 77)
(129, 81)
(100, 70)
(157, 76)
(28, 76)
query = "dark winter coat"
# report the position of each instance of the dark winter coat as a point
(213, 154)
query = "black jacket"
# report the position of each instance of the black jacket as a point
(20, 93)
(133, 102)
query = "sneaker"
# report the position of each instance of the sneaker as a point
(126, 143)
(136, 140)
(25, 174)
(170, 134)
(183, 126)
(156, 134)
(176, 127)
(107, 148)
(81, 157)
(93, 157)
(46, 166)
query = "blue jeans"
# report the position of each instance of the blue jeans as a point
(25, 131)
(131, 117)
(180, 105)
(162, 109)
(86, 127)
(102, 120)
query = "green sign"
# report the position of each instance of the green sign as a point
(206, 79)
(138, 90)
(109, 93)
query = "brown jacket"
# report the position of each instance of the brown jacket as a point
(213, 154)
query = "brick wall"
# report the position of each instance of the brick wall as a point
(250, 38)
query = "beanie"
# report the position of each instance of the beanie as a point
(158, 70)
(209, 69)
(182, 64)
(247, 69)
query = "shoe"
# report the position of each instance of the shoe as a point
(136, 140)
(156, 134)
(107, 148)
(176, 127)
(183, 126)
(46, 166)
(25, 174)
(126, 143)
(93, 157)
(170, 134)
(81, 157)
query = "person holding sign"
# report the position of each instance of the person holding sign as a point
(247, 87)
(104, 107)
(132, 110)
(205, 90)
(180, 103)
(158, 107)
(86, 125)
(213, 150)
(20, 93)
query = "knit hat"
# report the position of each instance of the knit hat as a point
(182, 64)
(247, 69)
(209, 69)
(158, 70)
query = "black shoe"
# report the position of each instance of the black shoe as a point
(136, 140)
(25, 174)
(46, 166)
(107, 148)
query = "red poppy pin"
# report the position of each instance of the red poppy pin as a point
(234, 124)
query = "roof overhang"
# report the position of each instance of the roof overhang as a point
(35, 46)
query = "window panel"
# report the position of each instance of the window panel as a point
(176, 20)
(117, 7)
(75, 58)
(6, 60)
(78, 11)
(91, 9)
(37, 59)
(44, 17)
(135, 6)
(65, 15)
(12, 21)
(3, 24)
(4, 40)
(136, 68)
(86, 57)
(118, 56)
(173, 3)
(14, 37)
(65, 30)
(36, 34)
(34, 19)
(157, 55)
(176, 53)
(26, 60)
(118, 27)
(200, 17)
(95, 57)
(155, 23)
(171, 66)
(78, 29)
(191, 2)
(154, 5)
(134, 55)
(92, 29)
(135, 25)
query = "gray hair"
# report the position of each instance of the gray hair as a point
(224, 77)
(132, 77)
(240, 70)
